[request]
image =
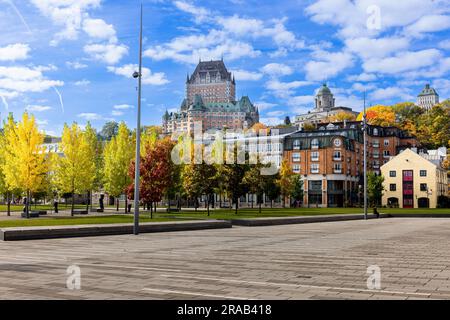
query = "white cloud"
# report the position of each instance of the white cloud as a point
(14, 52)
(99, 29)
(117, 113)
(376, 48)
(364, 77)
(24, 79)
(445, 44)
(90, 116)
(404, 61)
(148, 77)
(363, 87)
(244, 75)
(76, 65)
(296, 101)
(201, 14)
(263, 105)
(82, 83)
(277, 69)
(107, 53)
(123, 107)
(241, 26)
(67, 14)
(37, 108)
(41, 122)
(271, 121)
(429, 23)
(277, 113)
(351, 16)
(327, 65)
(284, 89)
(384, 94)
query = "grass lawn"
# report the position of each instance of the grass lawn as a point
(226, 214)
(47, 207)
(65, 221)
(221, 214)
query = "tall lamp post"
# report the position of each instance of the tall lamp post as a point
(365, 157)
(138, 75)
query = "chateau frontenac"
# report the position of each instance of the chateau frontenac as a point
(211, 100)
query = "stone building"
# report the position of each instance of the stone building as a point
(414, 180)
(427, 98)
(325, 106)
(210, 99)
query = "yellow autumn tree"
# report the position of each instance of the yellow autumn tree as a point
(118, 154)
(286, 181)
(75, 170)
(25, 165)
(341, 117)
(379, 115)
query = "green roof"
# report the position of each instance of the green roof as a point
(428, 91)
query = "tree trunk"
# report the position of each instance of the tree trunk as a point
(27, 209)
(117, 204)
(156, 205)
(196, 204)
(126, 204)
(87, 201)
(271, 204)
(151, 210)
(168, 202)
(207, 204)
(8, 200)
(236, 207)
(73, 203)
(253, 199)
(260, 206)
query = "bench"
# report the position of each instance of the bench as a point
(80, 212)
(100, 210)
(173, 210)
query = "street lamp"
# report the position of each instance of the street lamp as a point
(365, 156)
(138, 75)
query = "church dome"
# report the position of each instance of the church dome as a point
(324, 90)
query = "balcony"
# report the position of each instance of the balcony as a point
(337, 170)
(315, 159)
(337, 158)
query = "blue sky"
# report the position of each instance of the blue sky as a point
(72, 60)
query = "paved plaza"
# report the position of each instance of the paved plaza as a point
(308, 261)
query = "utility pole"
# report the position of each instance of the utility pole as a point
(138, 75)
(365, 157)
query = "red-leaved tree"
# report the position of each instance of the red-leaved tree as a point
(156, 173)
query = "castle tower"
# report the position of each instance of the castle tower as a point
(427, 98)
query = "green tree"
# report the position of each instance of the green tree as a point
(232, 176)
(297, 191)
(109, 130)
(256, 182)
(118, 154)
(374, 188)
(272, 189)
(434, 126)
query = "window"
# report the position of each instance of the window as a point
(296, 144)
(337, 155)
(375, 131)
(376, 154)
(296, 157)
(386, 142)
(376, 143)
(314, 156)
(392, 187)
(392, 174)
(315, 143)
(386, 153)
(423, 187)
(337, 168)
(296, 168)
(314, 168)
(423, 173)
